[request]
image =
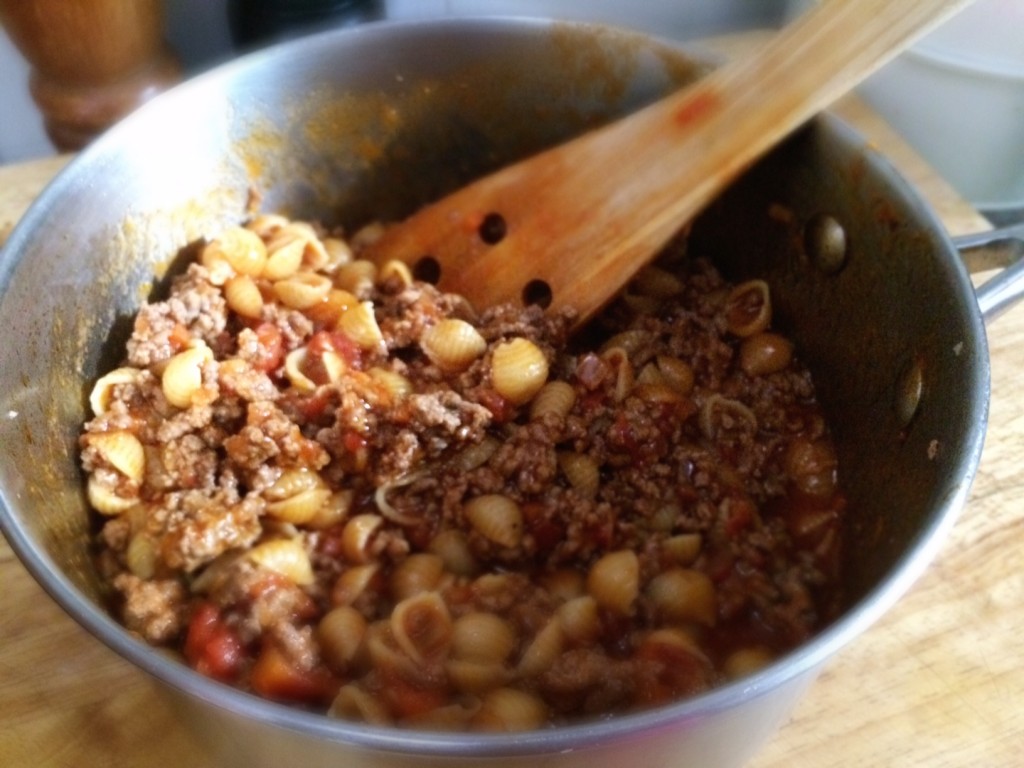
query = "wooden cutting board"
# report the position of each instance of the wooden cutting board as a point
(938, 682)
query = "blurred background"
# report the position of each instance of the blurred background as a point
(201, 34)
(958, 96)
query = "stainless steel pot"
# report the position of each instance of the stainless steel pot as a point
(370, 122)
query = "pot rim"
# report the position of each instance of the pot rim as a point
(806, 659)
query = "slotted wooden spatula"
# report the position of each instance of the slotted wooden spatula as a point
(572, 225)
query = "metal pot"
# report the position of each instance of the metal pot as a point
(370, 122)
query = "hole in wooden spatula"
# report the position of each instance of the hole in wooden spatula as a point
(427, 270)
(493, 228)
(537, 292)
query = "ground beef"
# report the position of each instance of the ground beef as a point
(269, 435)
(443, 420)
(156, 609)
(325, 482)
(295, 327)
(589, 681)
(198, 526)
(249, 384)
(414, 309)
(196, 309)
(185, 462)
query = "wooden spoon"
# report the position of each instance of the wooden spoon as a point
(572, 225)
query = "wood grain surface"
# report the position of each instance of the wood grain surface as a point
(937, 682)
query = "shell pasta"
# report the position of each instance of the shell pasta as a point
(321, 480)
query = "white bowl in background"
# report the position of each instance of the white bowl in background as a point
(957, 96)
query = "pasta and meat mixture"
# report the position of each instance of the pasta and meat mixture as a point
(330, 484)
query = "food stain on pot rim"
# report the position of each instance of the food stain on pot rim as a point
(375, 126)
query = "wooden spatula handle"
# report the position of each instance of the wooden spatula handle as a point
(582, 218)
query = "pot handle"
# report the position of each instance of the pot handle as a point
(996, 249)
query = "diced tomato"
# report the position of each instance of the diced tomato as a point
(645, 439)
(350, 352)
(336, 341)
(677, 412)
(276, 677)
(600, 532)
(622, 434)
(408, 700)
(329, 542)
(314, 406)
(179, 337)
(547, 533)
(592, 401)
(685, 492)
(501, 409)
(353, 442)
(319, 343)
(356, 452)
(420, 535)
(740, 515)
(720, 565)
(212, 647)
(271, 347)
